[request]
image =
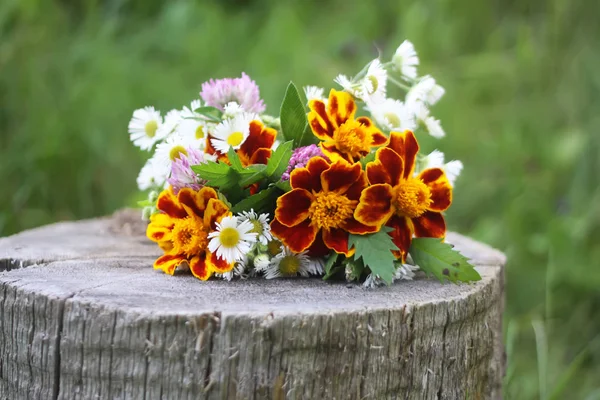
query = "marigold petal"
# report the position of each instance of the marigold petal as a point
(168, 203)
(217, 264)
(340, 106)
(261, 156)
(340, 176)
(298, 238)
(430, 224)
(195, 202)
(259, 137)
(407, 147)
(168, 263)
(292, 207)
(353, 226)
(375, 205)
(215, 211)
(318, 120)
(333, 153)
(309, 177)
(401, 235)
(440, 188)
(377, 137)
(318, 248)
(354, 191)
(161, 219)
(388, 167)
(158, 233)
(337, 240)
(200, 267)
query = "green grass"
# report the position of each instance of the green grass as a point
(521, 111)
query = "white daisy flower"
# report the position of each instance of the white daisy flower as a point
(315, 93)
(436, 160)
(150, 176)
(169, 150)
(316, 266)
(231, 133)
(260, 224)
(232, 240)
(393, 115)
(426, 90)
(405, 272)
(288, 264)
(406, 60)
(170, 124)
(233, 109)
(422, 117)
(144, 127)
(192, 125)
(371, 88)
(373, 281)
(261, 262)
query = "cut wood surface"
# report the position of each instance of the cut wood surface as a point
(89, 318)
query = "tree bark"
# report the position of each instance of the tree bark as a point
(89, 318)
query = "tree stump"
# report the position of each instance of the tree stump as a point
(89, 318)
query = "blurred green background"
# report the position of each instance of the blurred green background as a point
(521, 111)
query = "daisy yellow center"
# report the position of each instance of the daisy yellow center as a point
(289, 265)
(199, 132)
(229, 237)
(274, 247)
(175, 151)
(329, 210)
(411, 198)
(257, 227)
(150, 128)
(392, 118)
(235, 139)
(189, 237)
(352, 138)
(374, 83)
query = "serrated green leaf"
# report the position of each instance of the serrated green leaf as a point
(331, 260)
(439, 259)
(375, 250)
(234, 159)
(210, 113)
(257, 175)
(261, 202)
(278, 161)
(218, 174)
(210, 170)
(224, 199)
(293, 118)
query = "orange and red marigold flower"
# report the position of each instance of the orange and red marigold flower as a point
(318, 213)
(256, 149)
(396, 198)
(343, 136)
(182, 229)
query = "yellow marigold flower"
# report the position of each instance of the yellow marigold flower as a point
(182, 229)
(341, 135)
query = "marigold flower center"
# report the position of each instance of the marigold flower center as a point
(329, 210)
(351, 138)
(412, 197)
(189, 236)
(235, 139)
(199, 132)
(229, 237)
(151, 128)
(175, 151)
(289, 265)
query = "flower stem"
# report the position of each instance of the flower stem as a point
(399, 84)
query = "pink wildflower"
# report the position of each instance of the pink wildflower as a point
(181, 170)
(244, 91)
(300, 158)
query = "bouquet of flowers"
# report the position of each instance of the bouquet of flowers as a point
(335, 186)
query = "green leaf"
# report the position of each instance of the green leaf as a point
(331, 260)
(440, 259)
(258, 173)
(261, 202)
(375, 250)
(210, 113)
(284, 185)
(218, 174)
(234, 159)
(278, 161)
(293, 119)
(210, 170)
